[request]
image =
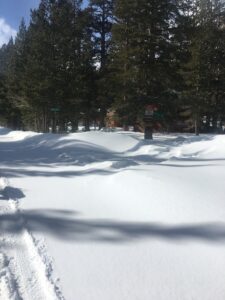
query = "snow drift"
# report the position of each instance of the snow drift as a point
(115, 217)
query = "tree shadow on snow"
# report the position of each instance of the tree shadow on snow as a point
(53, 151)
(4, 131)
(66, 225)
(11, 193)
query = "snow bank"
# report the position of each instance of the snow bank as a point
(113, 141)
(3, 183)
(8, 135)
(213, 147)
(123, 218)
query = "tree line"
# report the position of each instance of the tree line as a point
(77, 62)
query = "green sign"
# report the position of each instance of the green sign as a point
(55, 109)
(158, 115)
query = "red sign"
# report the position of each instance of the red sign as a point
(150, 109)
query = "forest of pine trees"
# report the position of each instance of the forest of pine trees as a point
(75, 63)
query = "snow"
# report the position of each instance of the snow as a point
(107, 215)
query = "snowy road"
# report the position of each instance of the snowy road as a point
(24, 271)
(108, 216)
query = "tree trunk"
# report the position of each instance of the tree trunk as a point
(197, 124)
(87, 124)
(102, 123)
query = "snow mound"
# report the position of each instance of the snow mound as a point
(4, 130)
(211, 148)
(20, 135)
(117, 217)
(3, 183)
(114, 141)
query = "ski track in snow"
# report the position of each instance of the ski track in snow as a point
(26, 270)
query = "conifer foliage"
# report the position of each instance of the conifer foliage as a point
(77, 61)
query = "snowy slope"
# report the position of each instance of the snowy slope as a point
(112, 216)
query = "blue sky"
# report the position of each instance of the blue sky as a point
(11, 13)
(13, 10)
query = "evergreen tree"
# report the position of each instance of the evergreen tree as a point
(102, 13)
(66, 34)
(4, 103)
(143, 55)
(39, 69)
(86, 76)
(121, 55)
(6, 53)
(15, 74)
(205, 69)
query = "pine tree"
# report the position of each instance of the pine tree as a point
(214, 51)
(205, 69)
(85, 81)
(102, 20)
(59, 69)
(66, 37)
(4, 103)
(143, 55)
(39, 69)
(15, 74)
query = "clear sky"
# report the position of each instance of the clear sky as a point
(11, 13)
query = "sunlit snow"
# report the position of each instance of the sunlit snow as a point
(109, 216)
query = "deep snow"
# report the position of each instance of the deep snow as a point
(109, 216)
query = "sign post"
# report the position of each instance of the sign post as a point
(54, 110)
(148, 121)
(152, 117)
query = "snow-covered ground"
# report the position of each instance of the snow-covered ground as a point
(109, 216)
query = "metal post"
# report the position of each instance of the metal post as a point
(148, 131)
